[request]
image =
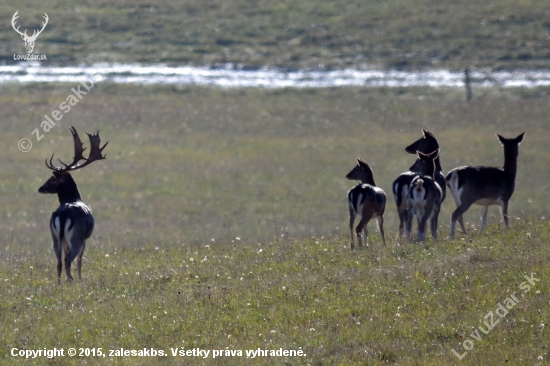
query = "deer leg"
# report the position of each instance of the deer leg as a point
(68, 269)
(437, 219)
(404, 218)
(504, 209)
(401, 222)
(79, 261)
(380, 220)
(434, 228)
(433, 221)
(351, 221)
(461, 222)
(409, 222)
(57, 251)
(457, 215)
(74, 251)
(422, 227)
(359, 230)
(484, 211)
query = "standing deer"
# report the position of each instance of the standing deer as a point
(426, 144)
(400, 188)
(485, 186)
(72, 223)
(424, 195)
(366, 200)
(29, 41)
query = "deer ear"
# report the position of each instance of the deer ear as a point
(519, 139)
(429, 135)
(500, 138)
(362, 163)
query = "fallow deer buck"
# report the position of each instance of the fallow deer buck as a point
(72, 223)
(424, 195)
(366, 200)
(485, 186)
(426, 144)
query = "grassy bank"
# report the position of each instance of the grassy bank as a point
(305, 34)
(199, 165)
(221, 222)
(404, 305)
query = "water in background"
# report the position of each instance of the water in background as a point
(231, 77)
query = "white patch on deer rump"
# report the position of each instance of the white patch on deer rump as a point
(55, 227)
(68, 233)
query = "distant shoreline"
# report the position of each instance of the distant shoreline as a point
(230, 76)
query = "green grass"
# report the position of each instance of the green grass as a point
(191, 165)
(400, 304)
(307, 34)
(221, 222)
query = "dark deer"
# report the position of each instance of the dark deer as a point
(424, 195)
(401, 195)
(426, 144)
(485, 186)
(72, 223)
(366, 200)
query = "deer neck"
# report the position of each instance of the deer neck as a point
(68, 193)
(368, 179)
(437, 164)
(510, 161)
(430, 169)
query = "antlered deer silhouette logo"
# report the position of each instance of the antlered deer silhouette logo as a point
(29, 40)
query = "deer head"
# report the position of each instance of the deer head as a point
(29, 41)
(61, 182)
(425, 164)
(362, 172)
(426, 144)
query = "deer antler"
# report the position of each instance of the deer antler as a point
(36, 32)
(13, 21)
(95, 153)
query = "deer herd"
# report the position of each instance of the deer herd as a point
(421, 190)
(418, 192)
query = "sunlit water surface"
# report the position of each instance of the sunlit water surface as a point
(232, 77)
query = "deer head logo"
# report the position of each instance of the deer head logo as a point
(29, 40)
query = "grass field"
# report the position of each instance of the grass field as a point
(221, 223)
(193, 165)
(221, 215)
(305, 34)
(406, 305)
